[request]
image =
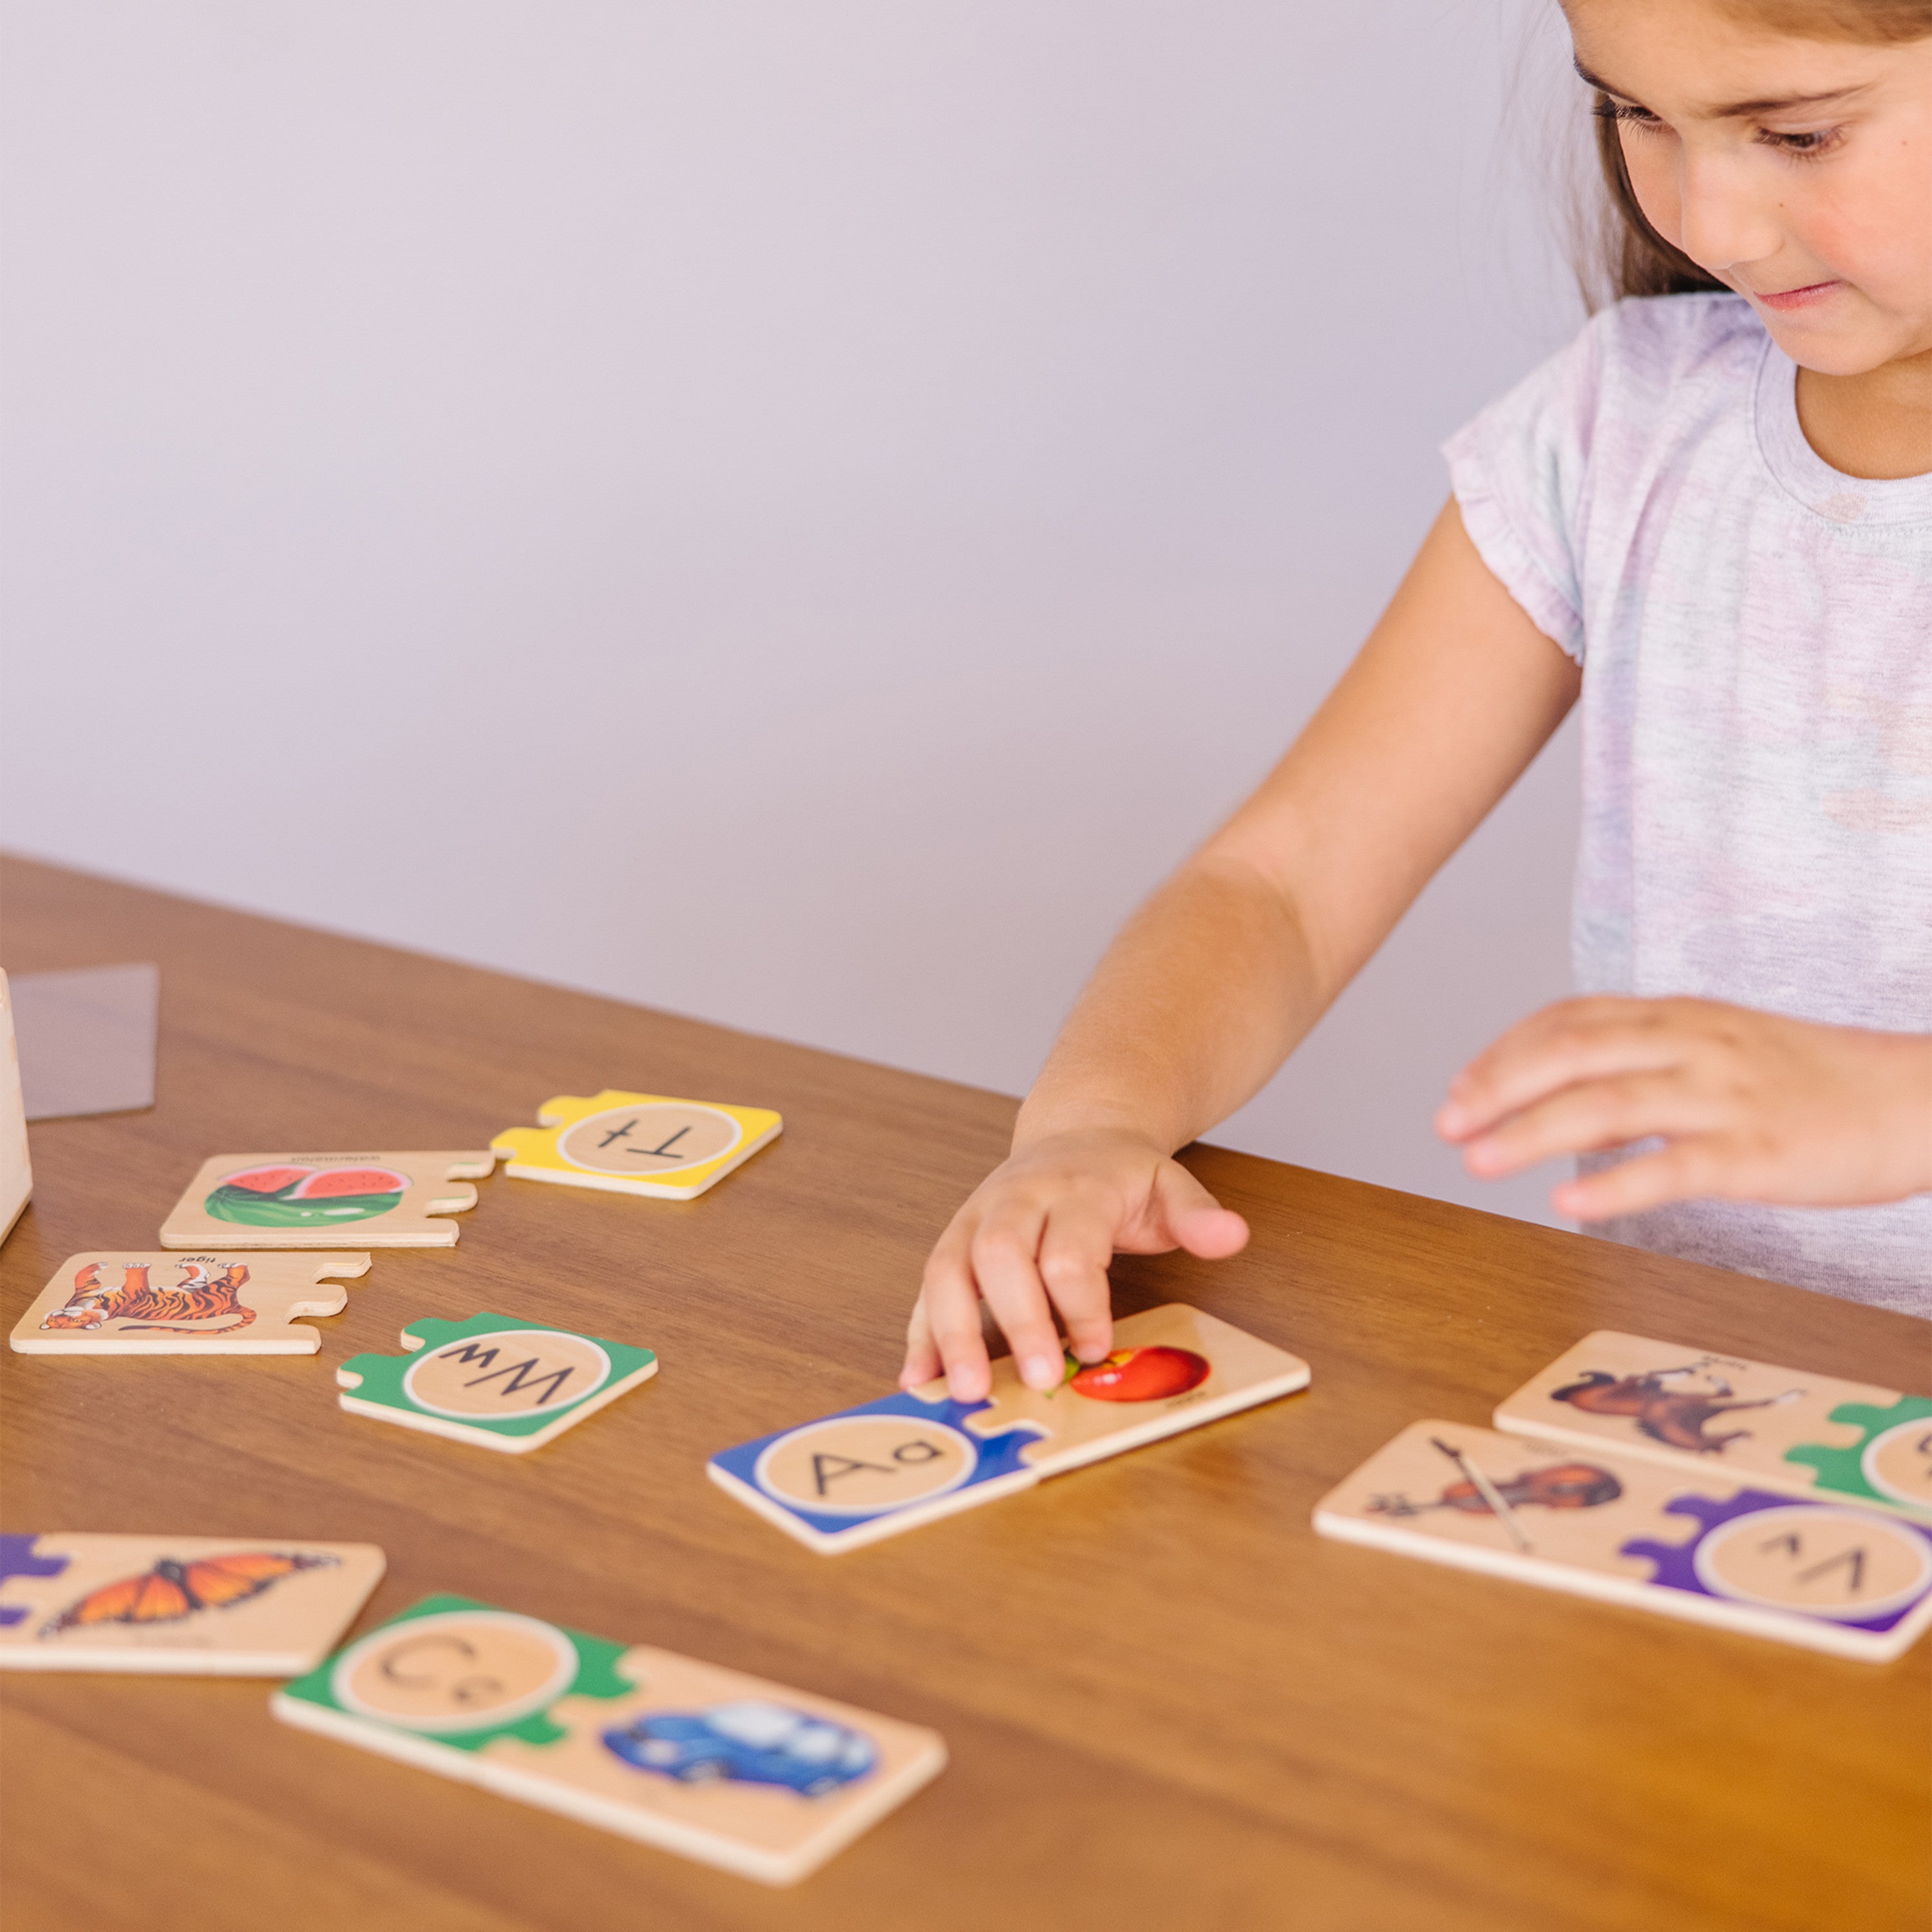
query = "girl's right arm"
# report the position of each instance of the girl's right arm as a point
(1218, 977)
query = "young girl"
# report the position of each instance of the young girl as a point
(1710, 519)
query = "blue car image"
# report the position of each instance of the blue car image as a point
(753, 1741)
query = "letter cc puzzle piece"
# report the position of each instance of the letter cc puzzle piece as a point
(1693, 1544)
(1662, 1401)
(636, 1143)
(493, 1380)
(312, 1200)
(230, 1607)
(761, 1780)
(868, 1472)
(159, 1304)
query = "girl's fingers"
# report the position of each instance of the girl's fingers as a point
(1075, 1251)
(1005, 1268)
(922, 1359)
(1595, 1114)
(951, 1306)
(1685, 1171)
(1196, 1221)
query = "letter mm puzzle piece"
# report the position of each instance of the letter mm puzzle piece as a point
(228, 1606)
(764, 1781)
(1690, 1543)
(1811, 1435)
(868, 1472)
(311, 1200)
(493, 1380)
(636, 1143)
(158, 1304)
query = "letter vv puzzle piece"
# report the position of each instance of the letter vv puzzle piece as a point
(158, 1304)
(636, 1143)
(871, 1471)
(764, 1781)
(493, 1380)
(1690, 1543)
(310, 1200)
(1810, 1434)
(233, 1606)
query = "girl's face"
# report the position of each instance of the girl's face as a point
(1798, 172)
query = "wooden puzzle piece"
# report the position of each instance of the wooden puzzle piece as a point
(1791, 1430)
(150, 1303)
(493, 1380)
(642, 1144)
(230, 1607)
(312, 1200)
(738, 1773)
(871, 1471)
(1694, 1544)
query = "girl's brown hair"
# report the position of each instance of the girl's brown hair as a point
(1641, 263)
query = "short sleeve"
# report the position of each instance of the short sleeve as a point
(1518, 473)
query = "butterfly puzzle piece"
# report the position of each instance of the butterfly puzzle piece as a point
(884, 1466)
(493, 1381)
(316, 1200)
(151, 1303)
(730, 1770)
(1694, 1543)
(211, 1607)
(1812, 1435)
(644, 1144)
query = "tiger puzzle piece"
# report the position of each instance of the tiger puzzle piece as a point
(636, 1143)
(173, 1304)
(233, 1606)
(1694, 1544)
(730, 1770)
(310, 1200)
(1811, 1435)
(493, 1380)
(872, 1470)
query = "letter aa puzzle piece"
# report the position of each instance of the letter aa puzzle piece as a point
(158, 1304)
(868, 1472)
(493, 1380)
(234, 1607)
(308, 1200)
(1855, 1581)
(1809, 1434)
(636, 1143)
(764, 1781)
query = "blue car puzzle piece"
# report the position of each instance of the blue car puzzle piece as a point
(750, 1741)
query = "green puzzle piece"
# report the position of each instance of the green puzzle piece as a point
(597, 1676)
(382, 1375)
(1843, 1470)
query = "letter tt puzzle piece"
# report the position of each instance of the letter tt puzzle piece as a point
(313, 1200)
(636, 1143)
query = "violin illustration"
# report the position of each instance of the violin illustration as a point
(1560, 1486)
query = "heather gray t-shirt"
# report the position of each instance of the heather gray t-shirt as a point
(1755, 629)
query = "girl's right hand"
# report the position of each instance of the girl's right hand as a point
(1036, 1237)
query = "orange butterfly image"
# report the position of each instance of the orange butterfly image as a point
(171, 1591)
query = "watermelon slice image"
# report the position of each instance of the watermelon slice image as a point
(306, 1197)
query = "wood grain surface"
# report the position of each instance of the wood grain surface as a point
(1169, 1705)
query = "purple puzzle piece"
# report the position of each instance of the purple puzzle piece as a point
(17, 1559)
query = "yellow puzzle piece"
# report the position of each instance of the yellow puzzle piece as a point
(635, 1143)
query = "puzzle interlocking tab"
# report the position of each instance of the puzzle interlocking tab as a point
(643, 1143)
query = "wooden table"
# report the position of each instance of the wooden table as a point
(1169, 1704)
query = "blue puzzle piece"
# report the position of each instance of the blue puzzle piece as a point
(17, 1559)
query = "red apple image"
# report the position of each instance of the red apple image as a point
(1141, 1374)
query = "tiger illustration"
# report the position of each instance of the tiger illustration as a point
(199, 1297)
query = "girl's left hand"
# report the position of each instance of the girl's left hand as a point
(1750, 1106)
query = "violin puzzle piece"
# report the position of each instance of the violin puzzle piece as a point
(749, 1776)
(1809, 1435)
(207, 1304)
(313, 1200)
(231, 1607)
(1695, 1544)
(643, 1143)
(872, 1470)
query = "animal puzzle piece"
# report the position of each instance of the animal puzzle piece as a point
(888, 1466)
(309, 1200)
(493, 1380)
(1824, 1574)
(748, 1776)
(158, 1304)
(200, 1605)
(1805, 1433)
(636, 1143)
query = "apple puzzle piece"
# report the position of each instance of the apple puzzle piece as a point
(310, 1200)
(642, 1144)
